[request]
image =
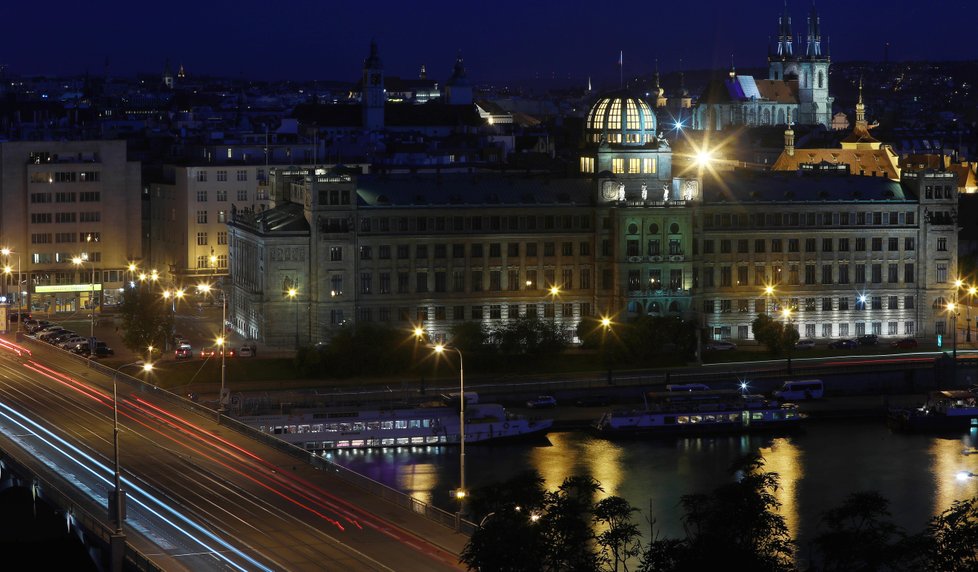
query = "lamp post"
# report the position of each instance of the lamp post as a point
(554, 292)
(222, 342)
(460, 493)
(952, 310)
(786, 312)
(117, 500)
(79, 261)
(971, 295)
(768, 291)
(605, 331)
(293, 293)
(172, 296)
(20, 294)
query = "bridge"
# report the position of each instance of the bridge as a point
(202, 492)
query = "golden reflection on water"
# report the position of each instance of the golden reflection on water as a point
(784, 458)
(597, 458)
(953, 471)
(420, 480)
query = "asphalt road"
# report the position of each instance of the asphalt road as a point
(203, 497)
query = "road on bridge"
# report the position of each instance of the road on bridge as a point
(201, 496)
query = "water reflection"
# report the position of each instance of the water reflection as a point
(818, 470)
(784, 458)
(954, 470)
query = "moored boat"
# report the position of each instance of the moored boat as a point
(426, 424)
(944, 410)
(701, 412)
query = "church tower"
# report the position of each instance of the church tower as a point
(373, 95)
(458, 90)
(814, 103)
(784, 50)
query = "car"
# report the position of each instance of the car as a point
(246, 351)
(71, 342)
(183, 353)
(843, 345)
(184, 345)
(868, 340)
(720, 345)
(214, 352)
(102, 349)
(19, 316)
(905, 344)
(542, 402)
(805, 345)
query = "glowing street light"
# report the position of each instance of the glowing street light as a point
(293, 294)
(460, 493)
(79, 261)
(222, 398)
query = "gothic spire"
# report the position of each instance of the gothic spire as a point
(813, 48)
(785, 41)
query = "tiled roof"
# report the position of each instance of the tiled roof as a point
(882, 161)
(766, 186)
(473, 189)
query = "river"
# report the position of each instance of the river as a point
(920, 475)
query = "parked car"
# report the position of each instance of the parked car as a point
(843, 345)
(718, 345)
(245, 351)
(214, 352)
(71, 342)
(102, 349)
(905, 344)
(805, 345)
(542, 402)
(868, 340)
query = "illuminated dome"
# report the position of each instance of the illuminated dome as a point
(620, 118)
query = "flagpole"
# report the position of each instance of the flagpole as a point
(621, 72)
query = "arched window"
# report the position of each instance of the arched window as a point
(821, 78)
(674, 307)
(940, 303)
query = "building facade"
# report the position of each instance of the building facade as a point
(846, 254)
(63, 200)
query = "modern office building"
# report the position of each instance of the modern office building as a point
(66, 200)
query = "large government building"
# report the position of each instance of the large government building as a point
(846, 254)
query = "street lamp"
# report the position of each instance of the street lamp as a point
(293, 293)
(172, 296)
(460, 493)
(605, 331)
(79, 261)
(117, 500)
(952, 311)
(20, 295)
(768, 291)
(554, 292)
(222, 342)
(971, 296)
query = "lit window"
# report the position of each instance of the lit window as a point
(633, 165)
(648, 165)
(618, 165)
(614, 115)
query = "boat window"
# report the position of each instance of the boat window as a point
(402, 440)
(682, 419)
(387, 424)
(358, 426)
(417, 440)
(357, 443)
(317, 428)
(387, 441)
(757, 415)
(401, 424)
(373, 424)
(345, 426)
(668, 420)
(431, 439)
(342, 444)
(414, 423)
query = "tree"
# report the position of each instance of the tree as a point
(647, 338)
(469, 336)
(780, 338)
(146, 319)
(530, 336)
(951, 538)
(620, 538)
(735, 527)
(858, 535)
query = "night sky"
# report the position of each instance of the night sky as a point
(501, 40)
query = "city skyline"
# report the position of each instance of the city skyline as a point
(568, 41)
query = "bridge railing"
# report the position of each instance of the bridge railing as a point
(50, 486)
